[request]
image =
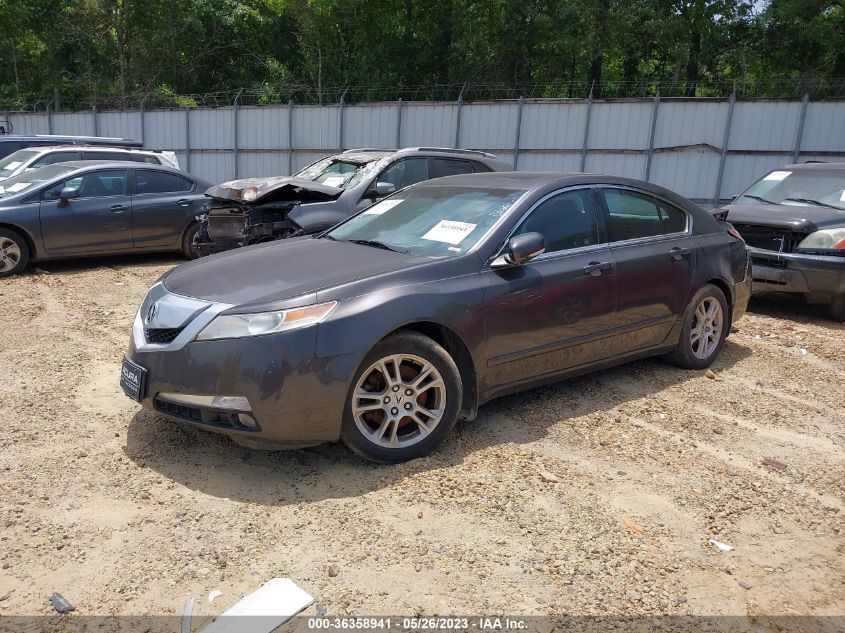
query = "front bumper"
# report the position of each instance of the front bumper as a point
(797, 272)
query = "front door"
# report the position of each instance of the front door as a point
(556, 311)
(99, 219)
(654, 258)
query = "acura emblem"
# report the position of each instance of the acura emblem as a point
(151, 313)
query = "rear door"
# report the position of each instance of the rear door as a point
(654, 255)
(163, 204)
(441, 167)
(556, 311)
(100, 219)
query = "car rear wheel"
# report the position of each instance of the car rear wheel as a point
(14, 253)
(703, 332)
(837, 307)
(188, 249)
(404, 399)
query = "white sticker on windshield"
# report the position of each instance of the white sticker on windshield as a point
(380, 207)
(449, 231)
(842, 197)
(14, 165)
(18, 186)
(334, 181)
(778, 175)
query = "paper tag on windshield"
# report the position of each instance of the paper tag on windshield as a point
(18, 186)
(449, 232)
(334, 181)
(842, 197)
(14, 165)
(380, 207)
(777, 175)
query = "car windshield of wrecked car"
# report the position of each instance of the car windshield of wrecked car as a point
(336, 173)
(816, 188)
(31, 179)
(14, 160)
(429, 220)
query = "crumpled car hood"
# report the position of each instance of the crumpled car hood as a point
(796, 218)
(273, 189)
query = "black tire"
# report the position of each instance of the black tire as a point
(188, 250)
(683, 355)
(407, 431)
(837, 307)
(14, 253)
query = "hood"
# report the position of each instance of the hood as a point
(273, 189)
(794, 218)
(281, 270)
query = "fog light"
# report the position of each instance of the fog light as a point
(247, 420)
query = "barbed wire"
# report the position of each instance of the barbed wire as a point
(306, 94)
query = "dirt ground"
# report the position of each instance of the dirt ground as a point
(523, 511)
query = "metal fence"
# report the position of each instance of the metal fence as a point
(706, 149)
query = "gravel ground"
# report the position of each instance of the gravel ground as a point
(593, 496)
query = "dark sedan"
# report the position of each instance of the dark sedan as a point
(385, 330)
(88, 208)
(793, 219)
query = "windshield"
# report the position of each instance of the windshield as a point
(429, 220)
(803, 188)
(31, 179)
(336, 172)
(14, 160)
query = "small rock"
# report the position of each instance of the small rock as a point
(321, 609)
(548, 477)
(718, 431)
(5, 596)
(744, 585)
(419, 515)
(60, 604)
(621, 472)
(759, 383)
(711, 375)
(778, 530)
(333, 571)
(773, 463)
(733, 473)
(418, 568)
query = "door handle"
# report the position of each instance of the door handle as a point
(184, 202)
(118, 208)
(595, 268)
(678, 253)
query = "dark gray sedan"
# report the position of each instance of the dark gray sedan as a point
(385, 330)
(87, 208)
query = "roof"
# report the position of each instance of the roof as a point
(83, 146)
(813, 166)
(121, 164)
(514, 179)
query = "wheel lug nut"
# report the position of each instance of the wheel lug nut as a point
(408, 406)
(394, 410)
(387, 401)
(395, 387)
(408, 392)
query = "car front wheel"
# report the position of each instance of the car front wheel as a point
(404, 400)
(14, 253)
(703, 332)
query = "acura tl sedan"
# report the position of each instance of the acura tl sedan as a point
(386, 329)
(89, 208)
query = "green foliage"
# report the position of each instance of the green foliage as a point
(115, 53)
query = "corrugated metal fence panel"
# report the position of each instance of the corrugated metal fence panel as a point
(125, 124)
(263, 127)
(824, 127)
(742, 170)
(488, 126)
(429, 124)
(316, 127)
(694, 171)
(29, 123)
(215, 167)
(165, 129)
(73, 124)
(690, 123)
(555, 125)
(622, 125)
(764, 125)
(212, 128)
(627, 165)
(262, 163)
(370, 126)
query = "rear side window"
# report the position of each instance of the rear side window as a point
(634, 215)
(149, 181)
(406, 172)
(450, 167)
(480, 168)
(105, 156)
(55, 157)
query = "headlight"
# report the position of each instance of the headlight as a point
(240, 325)
(824, 240)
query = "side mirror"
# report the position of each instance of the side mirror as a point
(66, 194)
(520, 249)
(381, 189)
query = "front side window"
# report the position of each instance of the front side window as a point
(95, 184)
(429, 220)
(567, 220)
(800, 188)
(635, 215)
(150, 181)
(405, 172)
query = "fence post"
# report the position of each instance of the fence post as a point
(652, 132)
(718, 195)
(399, 125)
(458, 120)
(800, 131)
(143, 123)
(235, 131)
(290, 137)
(50, 118)
(187, 139)
(340, 122)
(518, 129)
(586, 131)
(96, 120)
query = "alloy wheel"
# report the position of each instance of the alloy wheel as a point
(10, 254)
(398, 401)
(706, 331)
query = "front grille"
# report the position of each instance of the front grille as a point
(161, 335)
(770, 238)
(223, 226)
(179, 410)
